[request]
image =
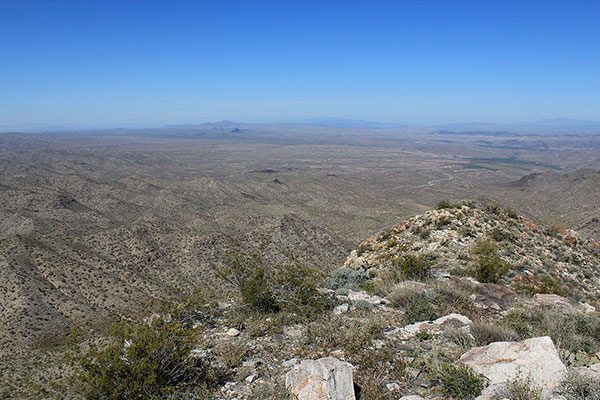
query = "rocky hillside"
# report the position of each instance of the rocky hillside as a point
(454, 240)
(458, 303)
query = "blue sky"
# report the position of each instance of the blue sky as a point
(150, 63)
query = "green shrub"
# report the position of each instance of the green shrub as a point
(500, 235)
(460, 382)
(346, 278)
(572, 331)
(138, 359)
(418, 305)
(488, 266)
(289, 287)
(486, 333)
(443, 221)
(423, 335)
(375, 368)
(493, 208)
(257, 294)
(511, 213)
(362, 248)
(295, 288)
(442, 205)
(414, 267)
(351, 335)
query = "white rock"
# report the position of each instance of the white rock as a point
(251, 378)
(502, 362)
(342, 308)
(323, 379)
(588, 308)
(412, 397)
(436, 326)
(364, 296)
(232, 332)
(455, 318)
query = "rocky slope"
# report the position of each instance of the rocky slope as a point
(538, 259)
(407, 314)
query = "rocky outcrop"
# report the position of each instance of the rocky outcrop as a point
(324, 379)
(433, 327)
(502, 362)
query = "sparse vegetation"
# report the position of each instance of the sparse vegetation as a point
(290, 287)
(488, 267)
(416, 303)
(138, 360)
(519, 388)
(578, 387)
(460, 382)
(486, 333)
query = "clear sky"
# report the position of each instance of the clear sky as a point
(148, 63)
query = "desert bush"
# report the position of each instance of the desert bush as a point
(414, 267)
(362, 248)
(460, 382)
(418, 304)
(459, 337)
(578, 387)
(444, 204)
(232, 353)
(454, 297)
(486, 333)
(257, 293)
(443, 221)
(289, 287)
(500, 235)
(511, 213)
(377, 367)
(519, 388)
(345, 278)
(137, 360)
(572, 331)
(488, 266)
(493, 208)
(351, 335)
(539, 283)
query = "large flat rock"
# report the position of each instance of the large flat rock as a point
(323, 379)
(502, 362)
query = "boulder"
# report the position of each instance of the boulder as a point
(434, 327)
(501, 362)
(324, 379)
(551, 300)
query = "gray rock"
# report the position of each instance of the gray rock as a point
(323, 379)
(294, 331)
(412, 397)
(551, 300)
(342, 308)
(360, 295)
(592, 372)
(289, 363)
(501, 362)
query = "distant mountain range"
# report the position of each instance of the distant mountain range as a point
(541, 127)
